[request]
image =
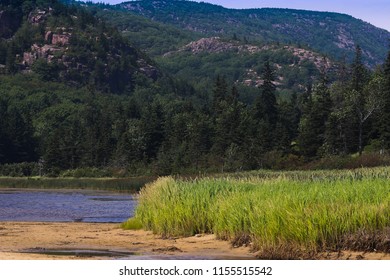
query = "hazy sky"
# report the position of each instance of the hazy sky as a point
(376, 12)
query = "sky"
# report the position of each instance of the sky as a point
(376, 12)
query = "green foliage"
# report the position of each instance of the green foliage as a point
(320, 31)
(46, 71)
(313, 122)
(384, 125)
(91, 53)
(300, 212)
(132, 224)
(237, 67)
(150, 36)
(266, 103)
(100, 107)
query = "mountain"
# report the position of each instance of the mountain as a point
(333, 34)
(197, 59)
(68, 44)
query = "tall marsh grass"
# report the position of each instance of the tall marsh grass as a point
(301, 213)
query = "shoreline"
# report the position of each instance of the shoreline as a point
(100, 241)
(67, 241)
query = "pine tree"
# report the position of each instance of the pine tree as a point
(359, 72)
(227, 137)
(312, 127)
(219, 95)
(385, 112)
(20, 134)
(10, 59)
(362, 100)
(266, 107)
(153, 120)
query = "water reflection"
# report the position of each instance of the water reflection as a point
(65, 206)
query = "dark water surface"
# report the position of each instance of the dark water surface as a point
(65, 206)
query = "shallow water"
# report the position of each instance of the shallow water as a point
(65, 206)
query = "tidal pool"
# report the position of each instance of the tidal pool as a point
(65, 206)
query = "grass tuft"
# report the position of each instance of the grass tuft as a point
(132, 224)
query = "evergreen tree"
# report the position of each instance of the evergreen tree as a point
(20, 132)
(11, 59)
(359, 71)
(227, 138)
(153, 121)
(287, 125)
(312, 127)
(340, 129)
(266, 107)
(384, 126)
(200, 139)
(362, 100)
(219, 95)
(265, 114)
(131, 146)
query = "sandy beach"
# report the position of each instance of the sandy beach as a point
(39, 240)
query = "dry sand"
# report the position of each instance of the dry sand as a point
(37, 240)
(17, 238)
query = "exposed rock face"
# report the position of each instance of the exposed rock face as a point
(61, 39)
(57, 39)
(147, 69)
(213, 44)
(303, 54)
(46, 52)
(345, 40)
(37, 17)
(251, 77)
(217, 45)
(54, 49)
(49, 36)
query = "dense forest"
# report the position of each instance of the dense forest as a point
(97, 106)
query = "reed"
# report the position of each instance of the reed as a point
(297, 212)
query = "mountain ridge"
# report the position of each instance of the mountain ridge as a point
(333, 34)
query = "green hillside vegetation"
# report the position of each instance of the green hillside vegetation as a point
(335, 35)
(242, 65)
(163, 42)
(95, 102)
(162, 29)
(68, 44)
(152, 37)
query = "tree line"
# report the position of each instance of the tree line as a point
(165, 127)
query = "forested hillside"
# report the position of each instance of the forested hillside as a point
(68, 44)
(76, 97)
(198, 41)
(199, 62)
(335, 35)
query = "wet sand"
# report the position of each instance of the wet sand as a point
(66, 241)
(32, 240)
